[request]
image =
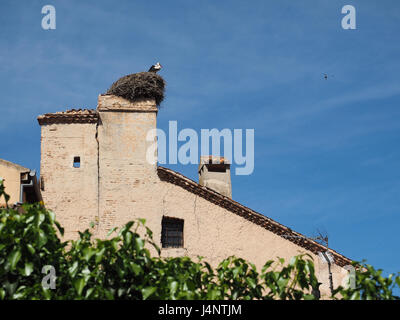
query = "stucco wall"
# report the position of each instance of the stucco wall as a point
(70, 192)
(11, 174)
(126, 178)
(116, 184)
(211, 231)
(216, 233)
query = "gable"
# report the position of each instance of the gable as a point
(269, 224)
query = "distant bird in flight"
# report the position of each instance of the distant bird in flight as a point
(155, 67)
(326, 76)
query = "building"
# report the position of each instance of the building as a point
(20, 184)
(94, 169)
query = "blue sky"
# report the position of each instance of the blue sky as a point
(326, 151)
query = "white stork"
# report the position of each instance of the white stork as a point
(155, 67)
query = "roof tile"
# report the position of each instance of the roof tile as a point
(70, 116)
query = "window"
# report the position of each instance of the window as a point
(217, 168)
(172, 233)
(77, 162)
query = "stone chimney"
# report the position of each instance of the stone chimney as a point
(124, 172)
(122, 131)
(215, 173)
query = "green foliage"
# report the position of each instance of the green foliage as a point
(3, 193)
(369, 284)
(121, 267)
(28, 241)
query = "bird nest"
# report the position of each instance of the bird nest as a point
(142, 85)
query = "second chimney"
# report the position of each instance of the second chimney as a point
(215, 173)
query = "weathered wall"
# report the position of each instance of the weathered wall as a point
(70, 192)
(126, 177)
(216, 233)
(11, 174)
(218, 181)
(213, 232)
(128, 187)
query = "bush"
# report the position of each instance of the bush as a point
(122, 268)
(369, 284)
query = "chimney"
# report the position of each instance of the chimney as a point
(123, 169)
(122, 131)
(215, 173)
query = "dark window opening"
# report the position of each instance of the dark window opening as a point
(41, 183)
(172, 233)
(217, 168)
(29, 195)
(77, 162)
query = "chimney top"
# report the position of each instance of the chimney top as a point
(109, 102)
(215, 173)
(213, 160)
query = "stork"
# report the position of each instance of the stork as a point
(155, 67)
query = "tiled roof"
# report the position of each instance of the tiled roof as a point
(70, 116)
(249, 214)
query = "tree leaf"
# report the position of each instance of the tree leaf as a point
(42, 239)
(31, 249)
(28, 268)
(251, 282)
(136, 268)
(173, 286)
(139, 244)
(111, 231)
(147, 292)
(13, 259)
(73, 269)
(79, 284)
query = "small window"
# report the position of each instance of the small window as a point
(172, 233)
(41, 183)
(77, 162)
(217, 168)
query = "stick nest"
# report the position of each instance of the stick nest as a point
(142, 85)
